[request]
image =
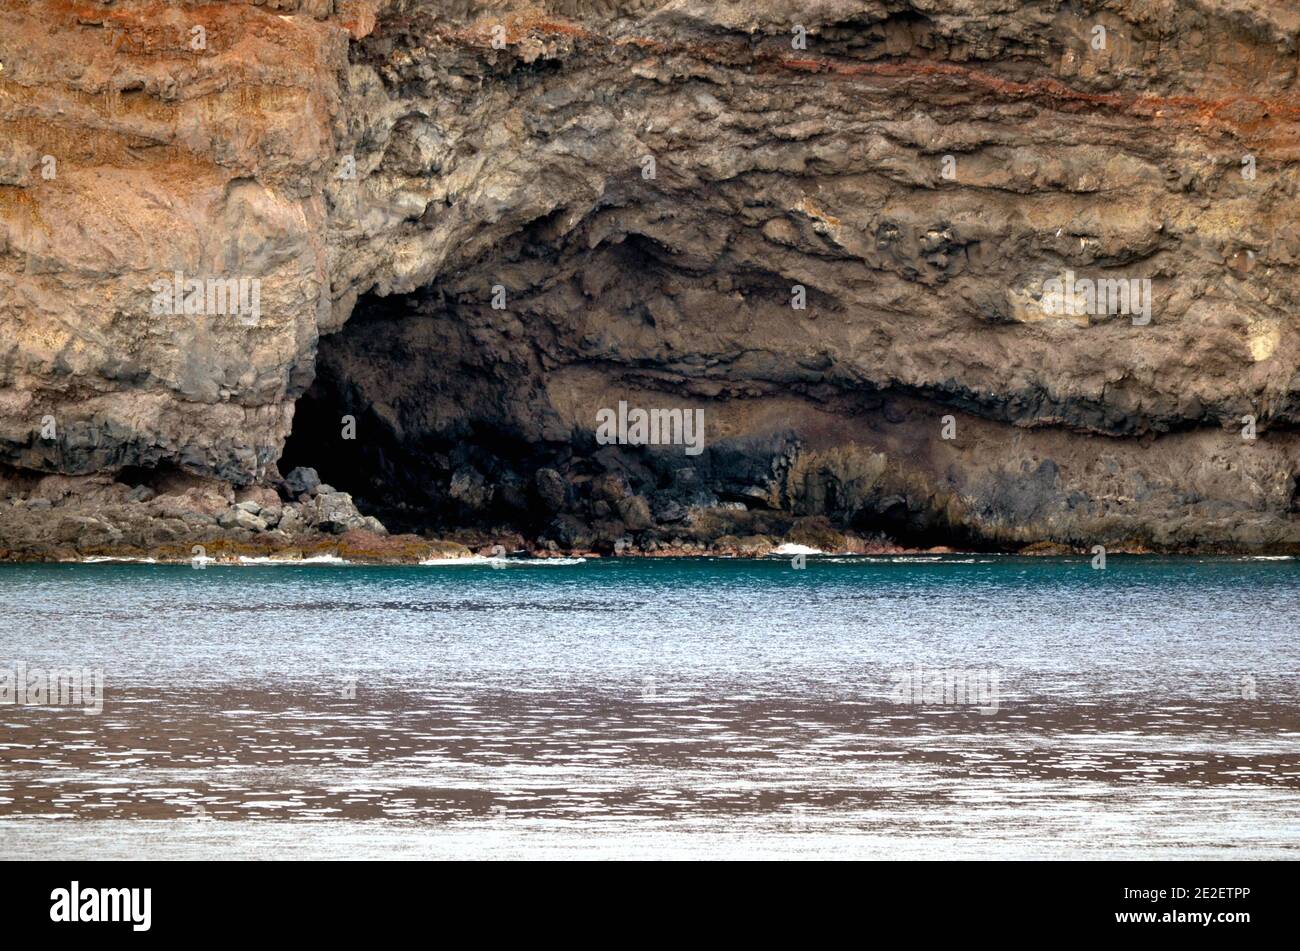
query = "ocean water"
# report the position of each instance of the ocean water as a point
(908, 707)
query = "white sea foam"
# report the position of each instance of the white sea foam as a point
(791, 549)
(502, 562)
(272, 560)
(908, 560)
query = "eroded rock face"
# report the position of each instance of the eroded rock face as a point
(647, 190)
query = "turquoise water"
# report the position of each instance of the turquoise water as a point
(662, 707)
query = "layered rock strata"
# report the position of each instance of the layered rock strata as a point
(839, 230)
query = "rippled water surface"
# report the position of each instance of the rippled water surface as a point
(659, 708)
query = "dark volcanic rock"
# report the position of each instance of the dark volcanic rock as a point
(552, 490)
(635, 513)
(571, 533)
(301, 480)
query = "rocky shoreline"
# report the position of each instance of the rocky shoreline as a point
(73, 519)
(190, 519)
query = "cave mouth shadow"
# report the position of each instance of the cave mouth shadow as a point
(333, 428)
(412, 416)
(431, 413)
(390, 419)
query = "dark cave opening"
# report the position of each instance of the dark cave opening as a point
(441, 412)
(155, 477)
(391, 423)
(914, 525)
(434, 426)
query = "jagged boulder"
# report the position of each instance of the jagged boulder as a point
(335, 512)
(301, 481)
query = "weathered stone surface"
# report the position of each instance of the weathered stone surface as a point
(380, 167)
(571, 532)
(469, 488)
(635, 513)
(291, 520)
(261, 496)
(301, 480)
(241, 518)
(335, 512)
(551, 489)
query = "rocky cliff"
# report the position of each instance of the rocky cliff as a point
(420, 246)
